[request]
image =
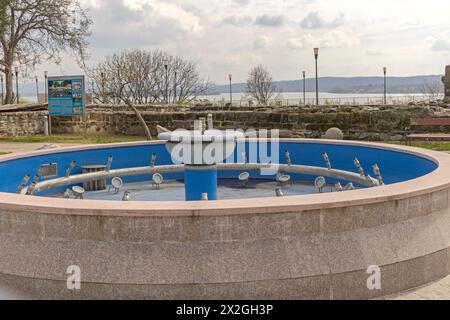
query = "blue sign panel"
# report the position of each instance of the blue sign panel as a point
(66, 96)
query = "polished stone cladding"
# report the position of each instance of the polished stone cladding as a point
(301, 247)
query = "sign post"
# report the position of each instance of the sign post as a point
(66, 97)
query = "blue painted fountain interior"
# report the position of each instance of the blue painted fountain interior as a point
(199, 180)
(395, 166)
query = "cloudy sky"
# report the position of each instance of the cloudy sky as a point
(356, 37)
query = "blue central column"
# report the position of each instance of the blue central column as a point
(200, 179)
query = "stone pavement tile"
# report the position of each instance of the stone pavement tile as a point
(439, 290)
(434, 292)
(409, 296)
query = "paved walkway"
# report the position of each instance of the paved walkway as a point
(439, 290)
(13, 147)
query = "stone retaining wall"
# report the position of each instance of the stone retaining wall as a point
(357, 122)
(22, 123)
(360, 122)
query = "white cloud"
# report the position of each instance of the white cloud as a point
(261, 43)
(270, 20)
(301, 42)
(331, 39)
(124, 24)
(314, 21)
(237, 20)
(166, 10)
(229, 36)
(242, 2)
(440, 42)
(375, 53)
(337, 39)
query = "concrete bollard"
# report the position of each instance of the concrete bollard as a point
(210, 122)
(46, 131)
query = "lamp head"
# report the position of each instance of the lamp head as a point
(385, 70)
(166, 62)
(230, 76)
(46, 74)
(16, 69)
(316, 52)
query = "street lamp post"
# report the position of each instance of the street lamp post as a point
(230, 77)
(93, 92)
(16, 69)
(37, 88)
(46, 101)
(175, 87)
(46, 86)
(114, 95)
(166, 67)
(385, 85)
(103, 78)
(3, 99)
(304, 88)
(316, 55)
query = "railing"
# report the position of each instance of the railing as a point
(323, 101)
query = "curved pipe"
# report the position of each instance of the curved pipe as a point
(128, 172)
(308, 170)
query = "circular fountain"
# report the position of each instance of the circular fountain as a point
(263, 238)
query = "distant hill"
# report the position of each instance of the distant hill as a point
(326, 84)
(345, 85)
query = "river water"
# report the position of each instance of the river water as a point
(293, 98)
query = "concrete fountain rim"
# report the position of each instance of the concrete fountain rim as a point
(432, 182)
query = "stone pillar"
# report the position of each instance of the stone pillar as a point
(446, 81)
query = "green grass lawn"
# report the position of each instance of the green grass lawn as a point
(3, 153)
(71, 139)
(77, 139)
(438, 146)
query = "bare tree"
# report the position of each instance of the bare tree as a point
(37, 30)
(432, 89)
(152, 77)
(3, 6)
(141, 77)
(260, 85)
(119, 82)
